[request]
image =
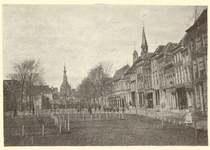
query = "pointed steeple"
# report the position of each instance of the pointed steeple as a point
(64, 69)
(144, 46)
(64, 76)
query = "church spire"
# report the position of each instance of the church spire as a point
(64, 69)
(144, 46)
(64, 76)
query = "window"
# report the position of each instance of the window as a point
(178, 76)
(201, 67)
(188, 74)
(183, 59)
(204, 37)
(195, 71)
(198, 43)
(187, 57)
(182, 72)
(175, 58)
(185, 74)
(177, 55)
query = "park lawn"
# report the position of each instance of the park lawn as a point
(134, 130)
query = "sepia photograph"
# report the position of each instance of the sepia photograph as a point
(104, 75)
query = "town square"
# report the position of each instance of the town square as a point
(105, 75)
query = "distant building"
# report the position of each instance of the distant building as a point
(155, 77)
(11, 96)
(65, 88)
(118, 95)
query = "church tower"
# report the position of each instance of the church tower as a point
(135, 54)
(144, 46)
(65, 88)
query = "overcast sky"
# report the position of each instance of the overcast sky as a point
(83, 35)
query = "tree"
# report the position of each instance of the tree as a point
(94, 85)
(28, 73)
(99, 75)
(85, 91)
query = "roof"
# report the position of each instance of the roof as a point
(168, 48)
(159, 49)
(148, 55)
(119, 73)
(201, 19)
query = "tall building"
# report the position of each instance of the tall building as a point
(65, 89)
(197, 44)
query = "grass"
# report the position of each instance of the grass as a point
(134, 130)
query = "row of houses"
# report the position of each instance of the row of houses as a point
(174, 74)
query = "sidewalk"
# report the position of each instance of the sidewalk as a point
(175, 118)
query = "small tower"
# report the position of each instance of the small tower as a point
(144, 46)
(135, 54)
(65, 88)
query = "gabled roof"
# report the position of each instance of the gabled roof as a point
(201, 19)
(119, 73)
(148, 55)
(159, 49)
(168, 48)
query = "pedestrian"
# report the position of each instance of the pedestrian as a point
(188, 116)
(89, 110)
(99, 107)
(117, 110)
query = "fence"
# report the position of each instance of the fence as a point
(26, 126)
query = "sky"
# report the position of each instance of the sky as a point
(81, 36)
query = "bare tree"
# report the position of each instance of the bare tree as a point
(99, 76)
(28, 73)
(34, 78)
(94, 86)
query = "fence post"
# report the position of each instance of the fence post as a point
(43, 130)
(113, 116)
(119, 114)
(60, 128)
(75, 117)
(32, 140)
(22, 130)
(83, 116)
(68, 122)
